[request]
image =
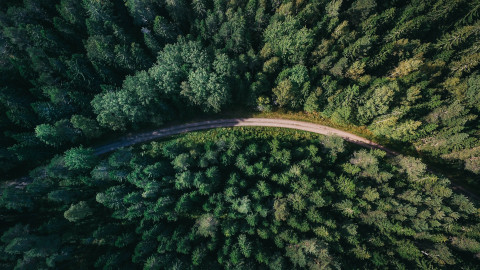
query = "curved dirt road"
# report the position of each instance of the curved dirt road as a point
(253, 122)
(239, 122)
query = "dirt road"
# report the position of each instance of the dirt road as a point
(239, 122)
(252, 122)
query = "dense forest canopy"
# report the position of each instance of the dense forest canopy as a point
(74, 73)
(239, 199)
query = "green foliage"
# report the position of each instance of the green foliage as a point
(60, 134)
(71, 71)
(206, 225)
(135, 103)
(186, 69)
(77, 212)
(80, 158)
(15, 199)
(89, 127)
(288, 40)
(293, 87)
(378, 104)
(264, 104)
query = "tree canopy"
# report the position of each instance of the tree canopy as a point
(74, 74)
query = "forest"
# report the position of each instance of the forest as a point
(77, 73)
(250, 198)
